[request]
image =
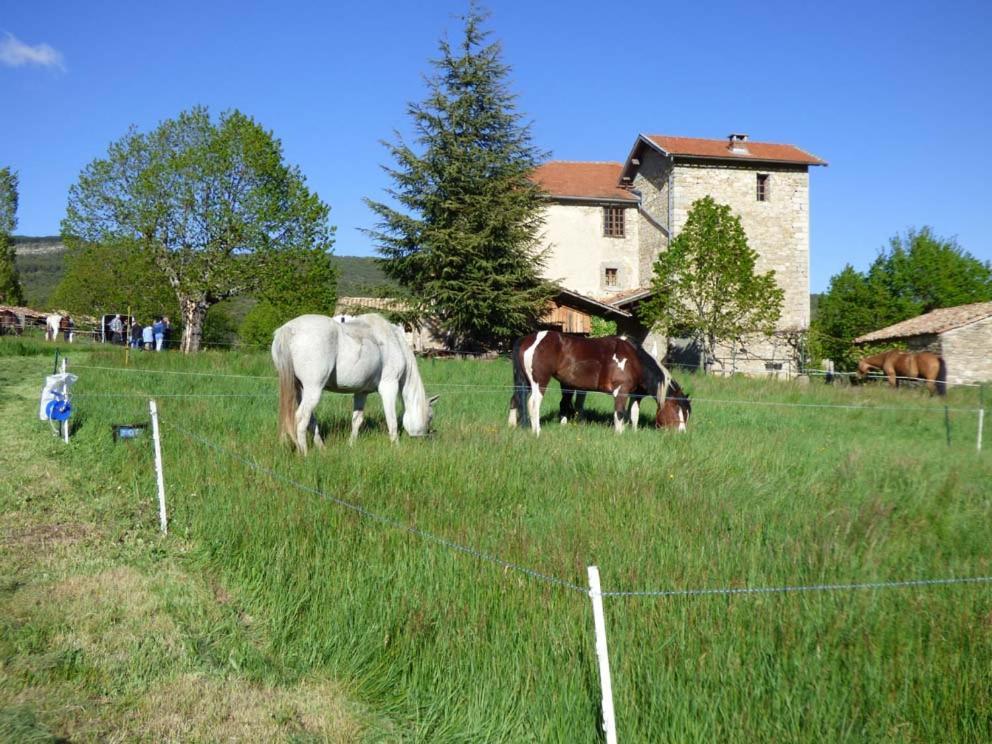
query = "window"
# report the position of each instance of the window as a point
(762, 187)
(613, 222)
(612, 278)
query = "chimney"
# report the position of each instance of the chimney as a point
(738, 143)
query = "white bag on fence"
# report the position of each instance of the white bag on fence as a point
(55, 385)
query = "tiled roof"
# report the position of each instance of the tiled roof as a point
(936, 321)
(361, 305)
(582, 180)
(719, 148)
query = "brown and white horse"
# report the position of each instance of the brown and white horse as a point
(610, 364)
(903, 365)
(10, 324)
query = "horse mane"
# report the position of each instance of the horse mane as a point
(655, 376)
(411, 385)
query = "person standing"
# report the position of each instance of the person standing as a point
(148, 337)
(158, 328)
(168, 330)
(136, 331)
(117, 330)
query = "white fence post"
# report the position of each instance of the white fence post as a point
(599, 619)
(981, 423)
(158, 467)
(65, 424)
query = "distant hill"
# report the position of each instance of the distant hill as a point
(360, 276)
(41, 263)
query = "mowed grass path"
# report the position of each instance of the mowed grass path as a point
(453, 648)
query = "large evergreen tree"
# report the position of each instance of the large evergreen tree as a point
(211, 202)
(705, 285)
(461, 233)
(10, 284)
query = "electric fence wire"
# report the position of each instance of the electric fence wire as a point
(563, 583)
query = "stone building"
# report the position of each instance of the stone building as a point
(607, 222)
(962, 335)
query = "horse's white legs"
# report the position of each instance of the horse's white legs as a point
(512, 421)
(316, 432)
(534, 409)
(308, 402)
(619, 408)
(635, 414)
(357, 415)
(388, 392)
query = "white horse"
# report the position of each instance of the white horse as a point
(366, 354)
(52, 323)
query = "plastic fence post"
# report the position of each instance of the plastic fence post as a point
(981, 416)
(599, 620)
(158, 467)
(65, 424)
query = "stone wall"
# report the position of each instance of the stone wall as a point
(651, 181)
(968, 352)
(777, 229)
(580, 253)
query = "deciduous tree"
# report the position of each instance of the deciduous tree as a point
(460, 235)
(705, 285)
(10, 284)
(210, 202)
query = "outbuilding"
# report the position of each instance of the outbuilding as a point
(962, 335)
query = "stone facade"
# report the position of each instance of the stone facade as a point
(579, 253)
(968, 352)
(666, 184)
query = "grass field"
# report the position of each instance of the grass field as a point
(448, 647)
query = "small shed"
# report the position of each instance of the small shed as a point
(962, 335)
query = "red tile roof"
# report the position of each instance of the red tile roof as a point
(578, 180)
(720, 148)
(934, 322)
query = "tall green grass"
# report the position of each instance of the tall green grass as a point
(458, 649)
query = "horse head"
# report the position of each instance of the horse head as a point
(674, 411)
(418, 424)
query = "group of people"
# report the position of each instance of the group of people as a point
(148, 337)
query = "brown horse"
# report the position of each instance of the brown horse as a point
(10, 324)
(610, 365)
(903, 365)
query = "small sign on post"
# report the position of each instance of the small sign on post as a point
(599, 620)
(160, 479)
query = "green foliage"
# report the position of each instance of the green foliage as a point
(219, 328)
(463, 240)
(918, 273)
(705, 285)
(10, 285)
(602, 327)
(294, 282)
(109, 278)
(212, 203)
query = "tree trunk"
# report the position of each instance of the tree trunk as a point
(194, 311)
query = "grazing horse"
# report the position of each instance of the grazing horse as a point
(10, 324)
(900, 365)
(365, 354)
(610, 365)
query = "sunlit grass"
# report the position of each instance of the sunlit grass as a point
(459, 649)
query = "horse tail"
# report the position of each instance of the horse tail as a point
(941, 376)
(520, 384)
(283, 359)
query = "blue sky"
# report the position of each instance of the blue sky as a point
(896, 96)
